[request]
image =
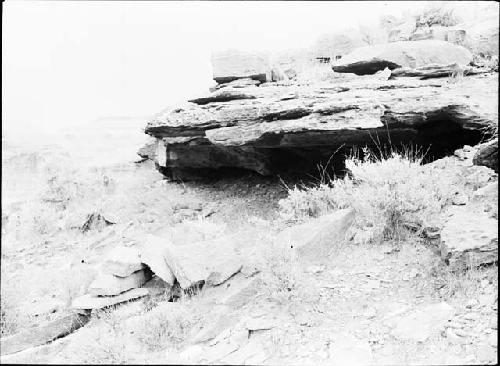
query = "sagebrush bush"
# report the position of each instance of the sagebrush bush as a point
(387, 194)
(167, 325)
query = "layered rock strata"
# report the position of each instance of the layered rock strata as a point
(274, 128)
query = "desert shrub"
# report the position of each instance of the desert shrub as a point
(283, 278)
(107, 344)
(167, 325)
(389, 194)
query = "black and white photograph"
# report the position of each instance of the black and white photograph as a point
(249, 182)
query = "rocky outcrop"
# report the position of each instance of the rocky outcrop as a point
(274, 128)
(487, 155)
(370, 59)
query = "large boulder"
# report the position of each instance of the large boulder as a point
(487, 155)
(232, 64)
(370, 59)
(210, 262)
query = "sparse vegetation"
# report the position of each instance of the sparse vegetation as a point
(298, 307)
(107, 343)
(168, 325)
(390, 194)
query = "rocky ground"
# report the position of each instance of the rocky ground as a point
(106, 261)
(392, 303)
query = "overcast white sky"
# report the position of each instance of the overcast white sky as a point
(71, 62)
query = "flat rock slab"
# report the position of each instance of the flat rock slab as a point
(90, 302)
(423, 323)
(469, 239)
(122, 261)
(151, 253)
(240, 292)
(211, 261)
(316, 238)
(42, 334)
(220, 324)
(111, 285)
(370, 59)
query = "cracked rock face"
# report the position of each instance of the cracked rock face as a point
(275, 128)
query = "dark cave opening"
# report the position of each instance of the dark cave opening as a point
(313, 155)
(431, 141)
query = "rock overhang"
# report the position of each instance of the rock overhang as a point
(290, 127)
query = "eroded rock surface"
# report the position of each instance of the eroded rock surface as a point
(275, 128)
